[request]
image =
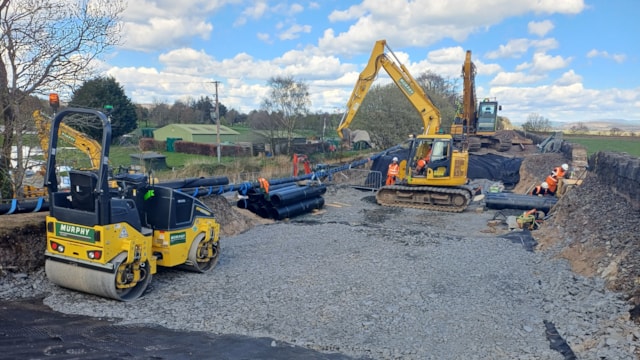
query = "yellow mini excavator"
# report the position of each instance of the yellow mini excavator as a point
(109, 241)
(441, 185)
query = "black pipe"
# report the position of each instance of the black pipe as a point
(281, 187)
(263, 211)
(288, 211)
(295, 195)
(519, 201)
(15, 206)
(195, 182)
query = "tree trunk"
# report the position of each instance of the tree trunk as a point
(8, 117)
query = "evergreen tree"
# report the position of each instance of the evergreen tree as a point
(106, 91)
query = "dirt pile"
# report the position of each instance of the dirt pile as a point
(22, 242)
(231, 218)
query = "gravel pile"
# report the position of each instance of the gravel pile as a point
(377, 282)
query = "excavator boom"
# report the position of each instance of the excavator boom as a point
(76, 138)
(429, 113)
(476, 124)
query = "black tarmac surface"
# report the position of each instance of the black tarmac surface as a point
(31, 330)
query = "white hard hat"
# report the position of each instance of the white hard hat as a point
(544, 185)
(565, 167)
(395, 159)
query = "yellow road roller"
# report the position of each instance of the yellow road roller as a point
(109, 240)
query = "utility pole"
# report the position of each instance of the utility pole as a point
(217, 122)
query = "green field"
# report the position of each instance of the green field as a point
(628, 144)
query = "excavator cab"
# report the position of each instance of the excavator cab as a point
(487, 117)
(446, 165)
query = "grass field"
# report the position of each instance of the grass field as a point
(628, 144)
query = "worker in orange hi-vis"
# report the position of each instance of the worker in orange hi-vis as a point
(393, 171)
(421, 167)
(552, 181)
(560, 171)
(541, 190)
(264, 185)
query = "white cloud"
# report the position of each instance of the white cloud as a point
(424, 22)
(188, 72)
(516, 48)
(256, 11)
(567, 102)
(511, 78)
(163, 32)
(295, 9)
(619, 58)
(513, 49)
(543, 63)
(293, 32)
(557, 6)
(540, 28)
(150, 25)
(569, 78)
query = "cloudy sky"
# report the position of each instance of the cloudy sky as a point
(567, 60)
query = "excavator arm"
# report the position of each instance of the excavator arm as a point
(79, 140)
(469, 101)
(402, 78)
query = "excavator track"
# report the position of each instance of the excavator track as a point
(449, 199)
(501, 144)
(474, 144)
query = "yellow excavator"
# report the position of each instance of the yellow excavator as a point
(110, 241)
(77, 139)
(440, 186)
(476, 125)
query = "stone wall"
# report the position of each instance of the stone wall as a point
(621, 171)
(575, 154)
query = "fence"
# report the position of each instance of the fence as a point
(359, 178)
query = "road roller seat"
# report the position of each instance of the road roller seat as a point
(83, 184)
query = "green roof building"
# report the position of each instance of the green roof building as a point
(198, 133)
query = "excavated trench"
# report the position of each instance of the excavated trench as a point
(613, 236)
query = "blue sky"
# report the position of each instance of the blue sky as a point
(567, 60)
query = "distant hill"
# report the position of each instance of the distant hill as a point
(597, 125)
(604, 125)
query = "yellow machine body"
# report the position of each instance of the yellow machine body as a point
(440, 187)
(109, 240)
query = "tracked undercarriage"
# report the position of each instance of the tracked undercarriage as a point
(496, 143)
(449, 199)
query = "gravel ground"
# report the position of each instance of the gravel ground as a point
(377, 282)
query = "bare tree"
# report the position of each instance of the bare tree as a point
(537, 123)
(615, 131)
(287, 103)
(442, 93)
(504, 123)
(48, 45)
(579, 128)
(159, 113)
(387, 116)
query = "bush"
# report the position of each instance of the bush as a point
(147, 144)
